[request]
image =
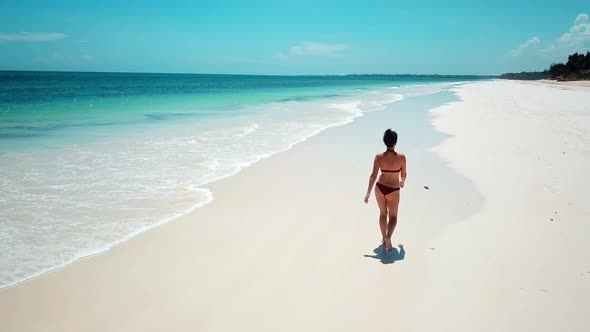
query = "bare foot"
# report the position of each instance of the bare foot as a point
(388, 244)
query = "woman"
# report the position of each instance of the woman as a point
(387, 190)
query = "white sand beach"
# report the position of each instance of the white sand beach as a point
(497, 243)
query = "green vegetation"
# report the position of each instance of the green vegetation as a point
(526, 75)
(576, 68)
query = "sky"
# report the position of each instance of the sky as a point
(297, 37)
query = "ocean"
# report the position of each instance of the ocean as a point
(88, 160)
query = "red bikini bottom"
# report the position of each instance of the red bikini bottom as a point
(386, 190)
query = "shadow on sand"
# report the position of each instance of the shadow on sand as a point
(388, 257)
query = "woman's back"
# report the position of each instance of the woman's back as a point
(390, 163)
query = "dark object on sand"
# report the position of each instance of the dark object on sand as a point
(426, 187)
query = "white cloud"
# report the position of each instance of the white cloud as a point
(311, 49)
(579, 31)
(281, 56)
(525, 46)
(577, 39)
(581, 19)
(31, 36)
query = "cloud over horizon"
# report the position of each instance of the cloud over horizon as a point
(525, 46)
(312, 49)
(580, 31)
(31, 36)
(577, 39)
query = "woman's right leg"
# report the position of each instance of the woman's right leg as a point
(382, 202)
(392, 207)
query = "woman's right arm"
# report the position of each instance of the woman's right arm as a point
(372, 178)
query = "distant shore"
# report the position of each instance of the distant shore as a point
(583, 83)
(576, 68)
(555, 83)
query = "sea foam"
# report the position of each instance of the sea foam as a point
(66, 202)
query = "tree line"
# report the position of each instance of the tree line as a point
(577, 67)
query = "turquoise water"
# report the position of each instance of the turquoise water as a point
(88, 160)
(41, 103)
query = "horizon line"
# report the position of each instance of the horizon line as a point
(218, 74)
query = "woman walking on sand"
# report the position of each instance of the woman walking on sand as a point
(387, 189)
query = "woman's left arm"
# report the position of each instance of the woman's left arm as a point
(403, 173)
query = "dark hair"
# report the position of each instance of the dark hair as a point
(390, 138)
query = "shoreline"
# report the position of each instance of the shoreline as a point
(290, 240)
(202, 187)
(206, 230)
(208, 194)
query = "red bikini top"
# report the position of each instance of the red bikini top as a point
(387, 170)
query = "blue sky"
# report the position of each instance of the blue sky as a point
(292, 37)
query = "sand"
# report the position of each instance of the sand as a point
(288, 244)
(522, 262)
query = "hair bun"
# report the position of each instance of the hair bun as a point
(390, 138)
